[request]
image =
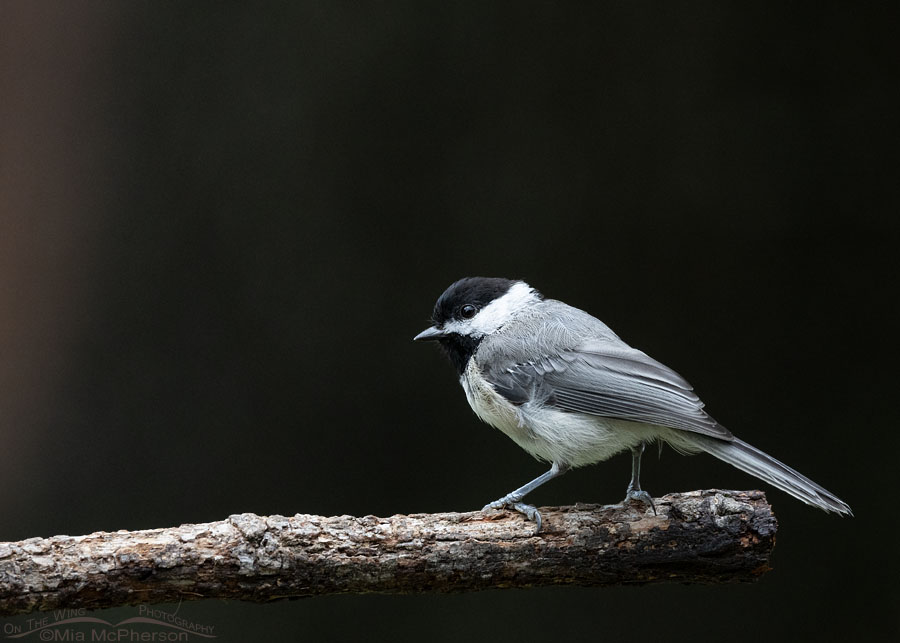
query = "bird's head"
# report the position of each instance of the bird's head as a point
(473, 308)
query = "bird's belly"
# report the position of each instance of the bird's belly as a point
(576, 439)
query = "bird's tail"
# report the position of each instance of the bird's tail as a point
(750, 459)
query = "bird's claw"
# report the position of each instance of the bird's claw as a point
(507, 502)
(640, 496)
(497, 504)
(531, 513)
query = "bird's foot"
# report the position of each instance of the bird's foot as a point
(637, 495)
(512, 502)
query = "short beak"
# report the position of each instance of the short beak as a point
(429, 334)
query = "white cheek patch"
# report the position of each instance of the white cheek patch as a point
(502, 309)
(458, 327)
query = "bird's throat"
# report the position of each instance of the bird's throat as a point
(459, 349)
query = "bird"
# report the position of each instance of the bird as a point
(566, 389)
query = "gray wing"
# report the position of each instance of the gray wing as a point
(608, 379)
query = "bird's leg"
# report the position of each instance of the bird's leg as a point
(513, 498)
(634, 487)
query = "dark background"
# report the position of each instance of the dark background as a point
(222, 225)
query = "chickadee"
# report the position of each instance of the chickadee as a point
(566, 389)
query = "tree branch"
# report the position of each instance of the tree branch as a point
(698, 537)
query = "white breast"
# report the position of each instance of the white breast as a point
(490, 406)
(527, 425)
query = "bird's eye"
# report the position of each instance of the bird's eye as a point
(468, 311)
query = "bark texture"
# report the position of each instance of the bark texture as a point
(698, 537)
